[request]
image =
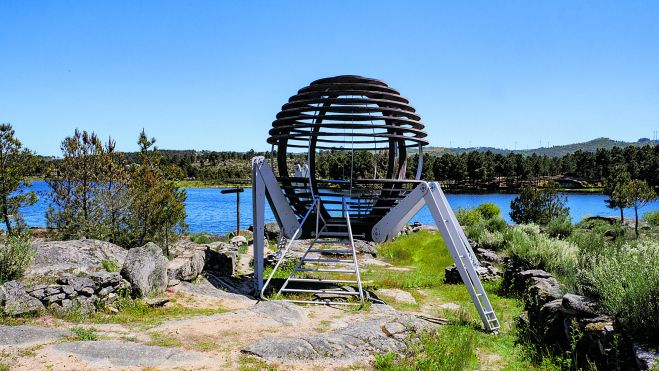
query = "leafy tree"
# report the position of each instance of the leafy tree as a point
(618, 176)
(538, 206)
(636, 193)
(16, 163)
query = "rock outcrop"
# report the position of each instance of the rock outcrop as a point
(59, 258)
(145, 268)
(14, 301)
(359, 340)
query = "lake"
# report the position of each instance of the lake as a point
(210, 211)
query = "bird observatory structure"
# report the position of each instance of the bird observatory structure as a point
(360, 118)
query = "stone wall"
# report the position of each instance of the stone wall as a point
(85, 294)
(573, 323)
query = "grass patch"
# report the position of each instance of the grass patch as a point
(110, 265)
(248, 363)
(163, 340)
(422, 257)
(83, 334)
(136, 313)
(450, 348)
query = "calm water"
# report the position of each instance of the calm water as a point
(210, 211)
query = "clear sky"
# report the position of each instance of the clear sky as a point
(213, 74)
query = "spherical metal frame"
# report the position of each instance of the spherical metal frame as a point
(373, 115)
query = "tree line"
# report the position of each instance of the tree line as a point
(467, 170)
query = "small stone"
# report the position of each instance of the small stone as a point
(55, 298)
(156, 301)
(105, 291)
(239, 241)
(78, 283)
(53, 289)
(88, 291)
(68, 290)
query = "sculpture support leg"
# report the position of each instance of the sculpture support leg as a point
(258, 214)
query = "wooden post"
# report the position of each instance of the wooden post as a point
(237, 191)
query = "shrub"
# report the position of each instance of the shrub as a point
(496, 224)
(491, 240)
(538, 206)
(528, 229)
(560, 227)
(652, 217)
(627, 282)
(489, 210)
(16, 254)
(468, 217)
(542, 252)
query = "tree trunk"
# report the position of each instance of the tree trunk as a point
(636, 225)
(5, 215)
(622, 215)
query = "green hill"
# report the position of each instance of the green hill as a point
(554, 151)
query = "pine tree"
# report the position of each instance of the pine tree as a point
(16, 164)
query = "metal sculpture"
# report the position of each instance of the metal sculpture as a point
(353, 115)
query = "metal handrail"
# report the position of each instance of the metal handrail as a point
(354, 253)
(288, 246)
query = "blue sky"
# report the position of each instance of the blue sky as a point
(213, 74)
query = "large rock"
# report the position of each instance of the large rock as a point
(357, 341)
(14, 301)
(114, 354)
(59, 258)
(188, 262)
(145, 268)
(579, 306)
(20, 335)
(489, 273)
(222, 263)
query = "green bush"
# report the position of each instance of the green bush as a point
(560, 227)
(489, 210)
(627, 282)
(542, 252)
(468, 217)
(16, 254)
(531, 230)
(491, 240)
(652, 217)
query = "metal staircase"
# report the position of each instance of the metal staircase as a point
(329, 261)
(462, 253)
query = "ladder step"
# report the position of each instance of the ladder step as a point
(333, 292)
(321, 302)
(325, 270)
(319, 260)
(336, 242)
(334, 234)
(320, 280)
(328, 251)
(336, 225)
